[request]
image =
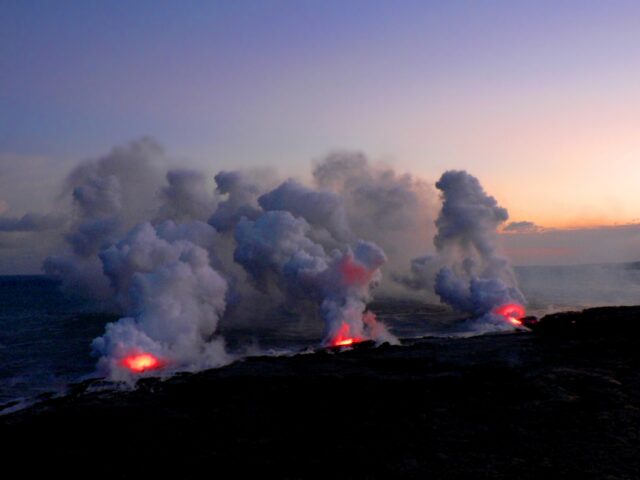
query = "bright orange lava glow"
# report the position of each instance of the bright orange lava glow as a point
(141, 362)
(342, 343)
(344, 338)
(512, 312)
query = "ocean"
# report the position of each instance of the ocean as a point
(44, 337)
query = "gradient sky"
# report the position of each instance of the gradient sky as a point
(540, 100)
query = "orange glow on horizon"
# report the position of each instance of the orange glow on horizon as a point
(550, 227)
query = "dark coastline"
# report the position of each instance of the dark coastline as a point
(558, 402)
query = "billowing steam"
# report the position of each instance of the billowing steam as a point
(322, 209)
(186, 197)
(242, 189)
(276, 248)
(144, 250)
(396, 211)
(109, 196)
(178, 258)
(172, 298)
(474, 279)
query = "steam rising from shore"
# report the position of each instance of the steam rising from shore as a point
(474, 279)
(277, 246)
(177, 257)
(170, 294)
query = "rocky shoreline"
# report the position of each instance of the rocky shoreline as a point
(559, 401)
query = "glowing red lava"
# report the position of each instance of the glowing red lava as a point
(343, 338)
(141, 362)
(512, 312)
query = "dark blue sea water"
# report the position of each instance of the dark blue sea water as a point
(44, 337)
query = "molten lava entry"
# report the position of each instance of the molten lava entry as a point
(344, 338)
(141, 362)
(512, 312)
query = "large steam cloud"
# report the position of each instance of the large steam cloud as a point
(186, 197)
(176, 258)
(108, 196)
(322, 209)
(242, 189)
(142, 248)
(171, 295)
(396, 211)
(277, 247)
(475, 278)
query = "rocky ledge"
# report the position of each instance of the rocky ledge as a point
(561, 401)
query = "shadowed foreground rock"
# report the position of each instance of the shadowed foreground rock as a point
(506, 406)
(593, 322)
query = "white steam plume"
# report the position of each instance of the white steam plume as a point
(242, 189)
(276, 248)
(142, 244)
(109, 196)
(321, 209)
(394, 210)
(475, 278)
(172, 298)
(186, 197)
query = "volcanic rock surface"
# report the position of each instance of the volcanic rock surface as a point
(553, 403)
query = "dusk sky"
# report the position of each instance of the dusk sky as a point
(540, 100)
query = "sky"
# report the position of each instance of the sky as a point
(538, 99)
